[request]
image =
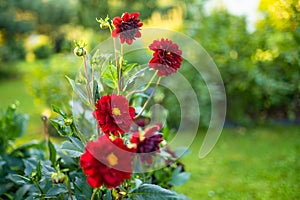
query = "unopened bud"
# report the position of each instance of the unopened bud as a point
(68, 121)
(58, 177)
(79, 51)
(104, 23)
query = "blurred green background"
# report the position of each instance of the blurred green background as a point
(256, 156)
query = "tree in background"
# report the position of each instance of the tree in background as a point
(260, 70)
(277, 59)
(19, 18)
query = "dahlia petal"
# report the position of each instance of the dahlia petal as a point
(129, 41)
(95, 181)
(110, 180)
(122, 39)
(115, 33)
(125, 16)
(135, 14)
(138, 34)
(117, 21)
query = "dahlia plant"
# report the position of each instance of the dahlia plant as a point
(125, 155)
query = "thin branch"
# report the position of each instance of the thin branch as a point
(88, 81)
(144, 89)
(148, 100)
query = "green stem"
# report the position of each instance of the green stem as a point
(45, 119)
(88, 81)
(94, 193)
(117, 66)
(144, 89)
(69, 189)
(148, 100)
(120, 79)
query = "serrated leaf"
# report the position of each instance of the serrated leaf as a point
(46, 169)
(77, 143)
(56, 190)
(153, 192)
(67, 159)
(71, 149)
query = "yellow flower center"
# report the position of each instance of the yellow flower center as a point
(112, 159)
(116, 111)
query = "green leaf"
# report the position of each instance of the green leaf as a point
(77, 143)
(110, 76)
(56, 190)
(153, 192)
(79, 91)
(18, 179)
(71, 149)
(67, 159)
(108, 195)
(131, 80)
(96, 91)
(25, 147)
(61, 129)
(81, 188)
(21, 192)
(30, 165)
(178, 177)
(58, 111)
(52, 153)
(127, 67)
(38, 170)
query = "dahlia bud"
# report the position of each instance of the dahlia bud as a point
(58, 177)
(68, 122)
(79, 49)
(104, 23)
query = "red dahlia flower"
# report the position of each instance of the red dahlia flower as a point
(148, 142)
(106, 162)
(127, 27)
(113, 114)
(166, 57)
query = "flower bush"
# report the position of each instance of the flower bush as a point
(114, 150)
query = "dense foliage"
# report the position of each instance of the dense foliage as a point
(259, 67)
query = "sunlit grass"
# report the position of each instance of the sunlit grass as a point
(255, 163)
(13, 90)
(246, 163)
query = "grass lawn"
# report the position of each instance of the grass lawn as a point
(13, 90)
(255, 163)
(246, 163)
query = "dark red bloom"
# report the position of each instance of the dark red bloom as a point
(147, 142)
(127, 27)
(106, 162)
(166, 57)
(114, 114)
